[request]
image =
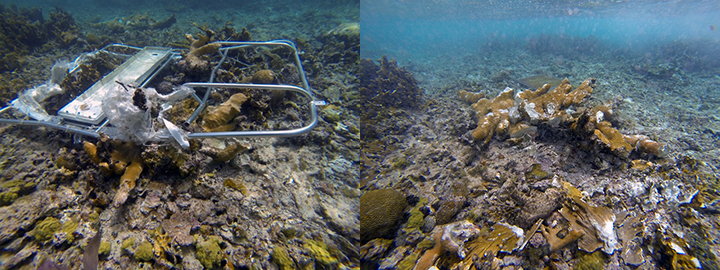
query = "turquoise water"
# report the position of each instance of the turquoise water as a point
(405, 25)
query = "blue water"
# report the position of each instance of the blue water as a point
(424, 27)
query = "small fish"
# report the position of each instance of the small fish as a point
(90, 256)
(712, 28)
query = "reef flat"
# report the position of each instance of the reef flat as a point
(488, 174)
(261, 203)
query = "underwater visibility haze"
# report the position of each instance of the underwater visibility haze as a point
(540, 134)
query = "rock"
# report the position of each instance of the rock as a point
(209, 253)
(24, 212)
(447, 208)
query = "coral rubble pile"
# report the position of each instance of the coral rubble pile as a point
(516, 115)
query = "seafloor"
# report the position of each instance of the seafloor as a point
(551, 198)
(272, 203)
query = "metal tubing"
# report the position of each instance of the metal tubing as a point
(66, 128)
(95, 131)
(266, 133)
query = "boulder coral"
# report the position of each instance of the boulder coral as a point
(380, 212)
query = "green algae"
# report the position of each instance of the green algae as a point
(536, 173)
(289, 233)
(209, 253)
(127, 244)
(416, 218)
(236, 185)
(281, 257)
(69, 228)
(400, 163)
(589, 261)
(44, 230)
(426, 244)
(408, 263)
(319, 251)
(7, 198)
(105, 248)
(144, 252)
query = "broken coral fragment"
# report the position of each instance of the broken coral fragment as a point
(521, 115)
(644, 144)
(612, 138)
(501, 237)
(200, 47)
(127, 182)
(449, 238)
(631, 234)
(91, 151)
(597, 224)
(224, 113)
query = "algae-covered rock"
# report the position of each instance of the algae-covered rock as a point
(380, 212)
(416, 218)
(319, 251)
(447, 208)
(144, 252)
(264, 76)
(209, 253)
(69, 228)
(105, 248)
(536, 173)
(44, 230)
(282, 259)
(236, 185)
(127, 244)
(589, 261)
(408, 263)
(7, 198)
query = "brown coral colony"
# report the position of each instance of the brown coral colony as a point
(511, 115)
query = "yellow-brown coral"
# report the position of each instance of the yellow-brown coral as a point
(593, 226)
(200, 47)
(223, 113)
(127, 181)
(494, 116)
(519, 115)
(516, 113)
(264, 76)
(91, 151)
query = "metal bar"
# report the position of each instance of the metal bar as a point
(279, 42)
(156, 72)
(265, 133)
(66, 128)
